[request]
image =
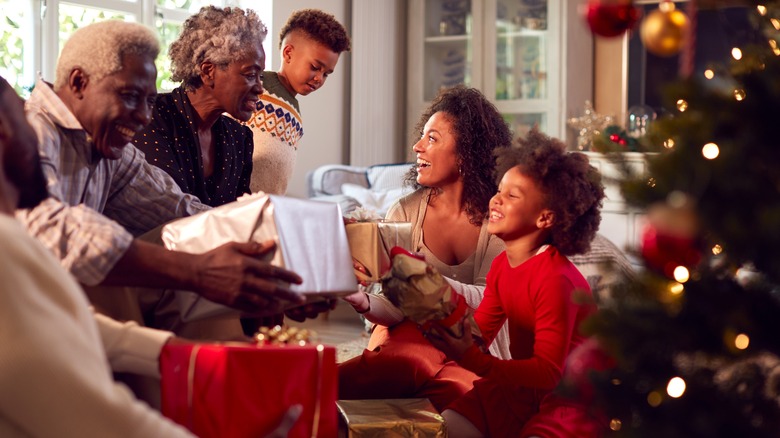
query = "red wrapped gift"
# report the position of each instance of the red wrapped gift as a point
(243, 390)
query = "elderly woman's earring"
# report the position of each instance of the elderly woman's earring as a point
(460, 170)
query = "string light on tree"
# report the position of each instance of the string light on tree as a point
(654, 399)
(736, 53)
(676, 387)
(710, 151)
(741, 341)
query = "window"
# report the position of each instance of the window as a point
(33, 31)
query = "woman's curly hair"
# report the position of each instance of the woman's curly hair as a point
(479, 130)
(571, 186)
(219, 35)
(319, 26)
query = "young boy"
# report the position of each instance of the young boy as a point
(311, 42)
(547, 207)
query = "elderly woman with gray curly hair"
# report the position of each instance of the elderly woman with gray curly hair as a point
(219, 60)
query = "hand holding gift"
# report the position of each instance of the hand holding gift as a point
(232, 274)
(425, 297)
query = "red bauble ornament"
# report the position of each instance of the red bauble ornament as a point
(664, 252)
(610, 18)
(589, 357)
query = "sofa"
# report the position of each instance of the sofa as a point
(376, 187)
(373, 187)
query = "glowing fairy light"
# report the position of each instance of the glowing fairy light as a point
(676, 288)
(651, 182)
(761, 9)
(668, 143)
(681, 274)
(742, 341)
(676, 387)
(739, 94)
(615, 424)
(682, 105)
(775, 23)
(717, 249)
(709, 74)
(736, 53)
(775, 49)
(710, 151)
(654, 399)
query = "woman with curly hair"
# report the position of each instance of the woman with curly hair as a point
(219, 60)
(547, 207)
(454, 181)
(310, 45)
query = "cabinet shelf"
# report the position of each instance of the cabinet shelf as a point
(447, 38)
(521, 33)
(516, 52)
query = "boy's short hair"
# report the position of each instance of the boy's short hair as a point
(571, 186)
(319, 26)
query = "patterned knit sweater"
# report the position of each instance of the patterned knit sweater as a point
(277, 127)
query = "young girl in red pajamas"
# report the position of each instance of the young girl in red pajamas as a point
(547, 207)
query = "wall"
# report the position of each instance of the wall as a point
(610, 91)
(378, 88)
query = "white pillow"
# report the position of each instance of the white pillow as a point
(377, 200)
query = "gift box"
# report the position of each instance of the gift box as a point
(243, 390)
(425, 297)
(370, 243)
(409, 417)
(310, 239)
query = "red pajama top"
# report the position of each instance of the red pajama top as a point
(537, 299)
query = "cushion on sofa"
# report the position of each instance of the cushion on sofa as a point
(387, 176)
(327, 180)
(378, 200)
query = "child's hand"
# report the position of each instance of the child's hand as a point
(454, 347)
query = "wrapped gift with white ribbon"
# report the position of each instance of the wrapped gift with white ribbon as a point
(310, 240)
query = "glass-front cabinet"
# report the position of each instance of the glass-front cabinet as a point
(509, 49)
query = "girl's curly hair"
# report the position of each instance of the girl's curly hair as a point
(479, 130)
(319, 26)
(219, 35)
(571, 186)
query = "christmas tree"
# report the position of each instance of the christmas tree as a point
(693, 343)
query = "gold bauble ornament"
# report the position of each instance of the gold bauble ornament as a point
(665, 30)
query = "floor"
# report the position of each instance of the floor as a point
(342, 327)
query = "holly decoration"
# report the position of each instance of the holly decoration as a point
(610, 18)
(615, 139)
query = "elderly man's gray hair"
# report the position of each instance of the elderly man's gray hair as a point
(98, 49)
(218, 35)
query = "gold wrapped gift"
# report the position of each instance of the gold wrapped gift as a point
(370, 244)
(409, 417)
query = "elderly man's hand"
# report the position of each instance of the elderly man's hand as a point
(233, 275)
(311, 310)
